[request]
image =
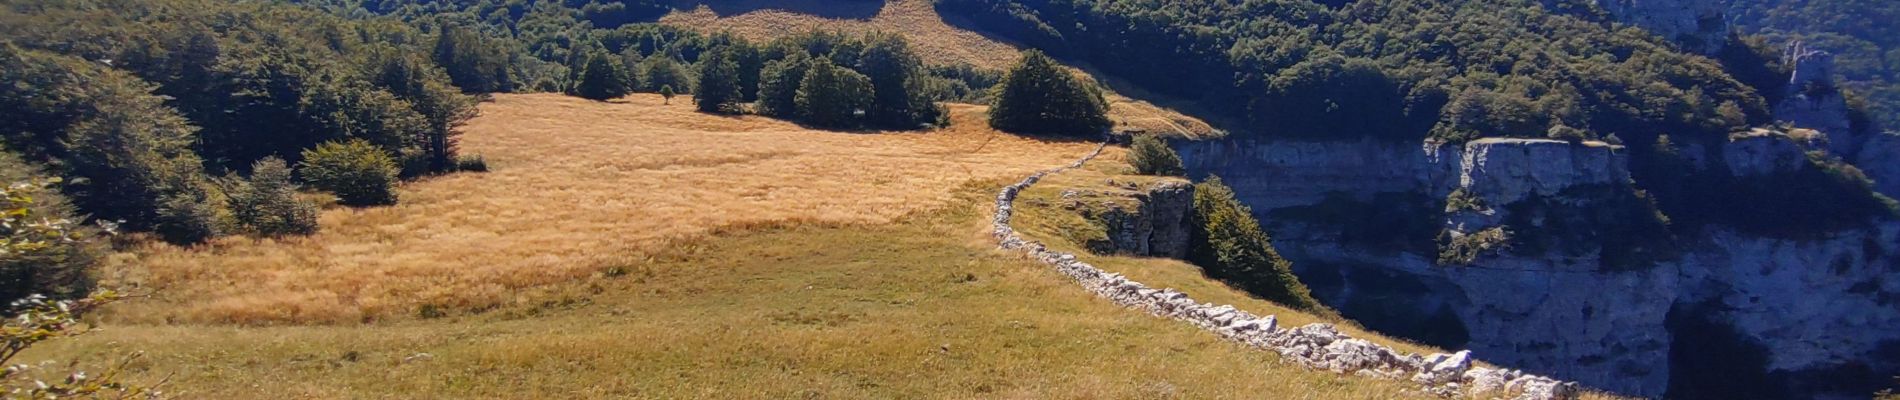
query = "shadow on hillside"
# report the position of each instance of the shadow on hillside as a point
(833, 9)
(1064, 54)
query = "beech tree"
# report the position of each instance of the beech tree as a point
(833, 97)
(1039, 97)
(602, 77)
(778, 85)
(897, 81)
(718, 82)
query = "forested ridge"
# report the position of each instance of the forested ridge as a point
(1392, 68)
(1862, 35)
(1409, 70)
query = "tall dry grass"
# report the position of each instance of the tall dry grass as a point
(577, 187)
(935, 40)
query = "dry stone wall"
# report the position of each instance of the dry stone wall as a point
(1317, 346)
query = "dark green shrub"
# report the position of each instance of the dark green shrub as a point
(1039, 97)
(1151, 156)
(473, 163)
(358, 173)
(1230, 245)
(267, 203)
(187, 219)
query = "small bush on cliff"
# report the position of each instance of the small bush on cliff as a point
(267, 203)
(1039, 97)
(1151, 156)
(1229, 245)
(357, 172)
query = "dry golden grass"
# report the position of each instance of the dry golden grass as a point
(813, 265)
(921, 308)
(1041, 216)
(936, 41)
(577, 186)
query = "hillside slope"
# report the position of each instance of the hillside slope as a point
(937, 42)
(656, 258)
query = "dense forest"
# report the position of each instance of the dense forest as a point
(193, 119)
(1861, 34)
(1391, 68)
(1408, 70)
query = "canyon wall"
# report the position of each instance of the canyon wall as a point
(1540, 254)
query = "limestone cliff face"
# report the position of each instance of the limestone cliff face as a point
(1139, 219)
(1572, 307)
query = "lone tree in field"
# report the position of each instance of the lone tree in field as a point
(1151, 156)
(832, 96)
(718, 82)
(667, 93)
(1039, 97)
(602, 77)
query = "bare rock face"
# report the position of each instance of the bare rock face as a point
(1503, 171)
(1698, 25)
(1813, 307)
(1763, 152)
(1139, 219)
(1317, 346)
(1814, 102)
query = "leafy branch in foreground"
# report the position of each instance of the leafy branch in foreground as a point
(37, 319)
(28, 239)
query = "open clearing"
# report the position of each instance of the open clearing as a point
(635, 250)
(578, 187)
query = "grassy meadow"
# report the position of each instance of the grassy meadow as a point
(825, 272)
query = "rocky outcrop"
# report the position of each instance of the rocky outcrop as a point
(1318, 346)
(1698, 25)
(1762, 152)
(1813, 101)
(1812, 307)
(1503, 171)
(1143, 219)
